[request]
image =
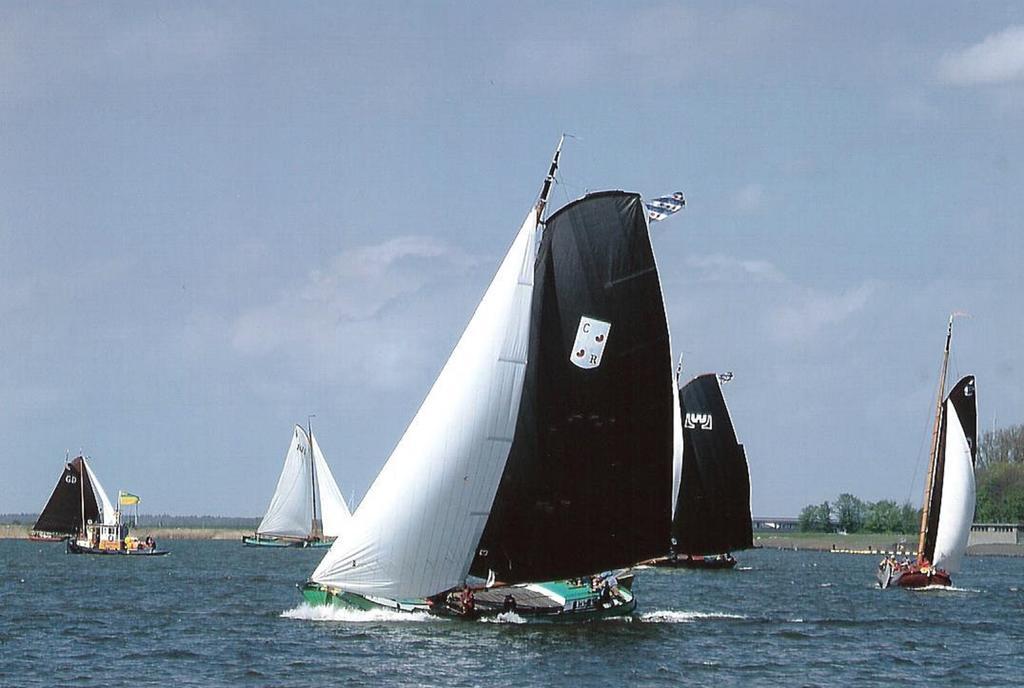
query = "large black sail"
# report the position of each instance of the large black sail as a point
(63, 511)
(712, 513)
(963, 399)
(587, 483)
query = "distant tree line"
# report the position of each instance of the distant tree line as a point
(850, 514)
(157, 520)
(1000, 476)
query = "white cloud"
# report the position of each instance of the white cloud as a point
(997, 59)
(808, 312)
(749, 198)
(365, 318)
(721, 268)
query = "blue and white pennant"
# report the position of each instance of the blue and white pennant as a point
(663, 206)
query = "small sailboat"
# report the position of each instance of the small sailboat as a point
(711, 516)
(949, 489)
(307, 509)
(80, 512)
(77, 502)
(521, 475)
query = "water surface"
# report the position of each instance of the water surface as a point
(217, 614)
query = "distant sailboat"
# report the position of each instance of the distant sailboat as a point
(307, 509)
(949, 489)
(522, 464)
(711, 517)
(80, 513)
(77, 502)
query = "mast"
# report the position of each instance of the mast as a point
(549, 180)
(81, 489)
(930, 482)
(314, 531)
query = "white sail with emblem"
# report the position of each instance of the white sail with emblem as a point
(958, 496)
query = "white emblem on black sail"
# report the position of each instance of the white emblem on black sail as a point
(698, 421)
(591, 337)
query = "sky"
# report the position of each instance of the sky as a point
(217, 219)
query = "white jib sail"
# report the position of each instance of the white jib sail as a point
(677, 446)
(957, 511)
(290, 513)
(334, 511)
(415, 531)
(107, 515)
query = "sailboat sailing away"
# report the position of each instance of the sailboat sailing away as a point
(949, 489)
(523, 464)
(307, 509)
(712, 511)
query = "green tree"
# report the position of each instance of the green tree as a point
(850, 513)
(883, 517)
(910, 519)
(816, 518)
(1000, 476)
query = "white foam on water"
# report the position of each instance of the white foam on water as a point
(504, 618)
(671, 616)
(330, 612)
(744, 568)
(942, 588)
(824, 585)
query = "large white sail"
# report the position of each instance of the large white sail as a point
(958, 492)
(334, 511)
(290, 513)
(107, 517)
(415, 531)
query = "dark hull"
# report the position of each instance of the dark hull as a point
(260, 541)
(554, 601)
(700, 563)
(75, 548)
(911, 576)
(34, 537)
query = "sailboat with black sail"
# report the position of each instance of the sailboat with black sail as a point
(949, 489)
(711, 516)
(80, 512)
(307, 509)
(77, 502)
(519, 478)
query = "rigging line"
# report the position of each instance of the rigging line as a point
(917, 462)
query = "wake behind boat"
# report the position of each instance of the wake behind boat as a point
(949, 490)
(307, 509)
(523, 463)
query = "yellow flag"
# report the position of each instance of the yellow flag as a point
(127, 498)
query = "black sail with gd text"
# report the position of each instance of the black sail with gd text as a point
(63, 511)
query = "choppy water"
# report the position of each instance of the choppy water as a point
(218, 614)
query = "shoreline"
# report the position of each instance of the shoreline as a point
(9, 531)
(874, 544)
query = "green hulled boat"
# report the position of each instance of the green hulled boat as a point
(307, 509)
(561, 600)
(531, 464)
